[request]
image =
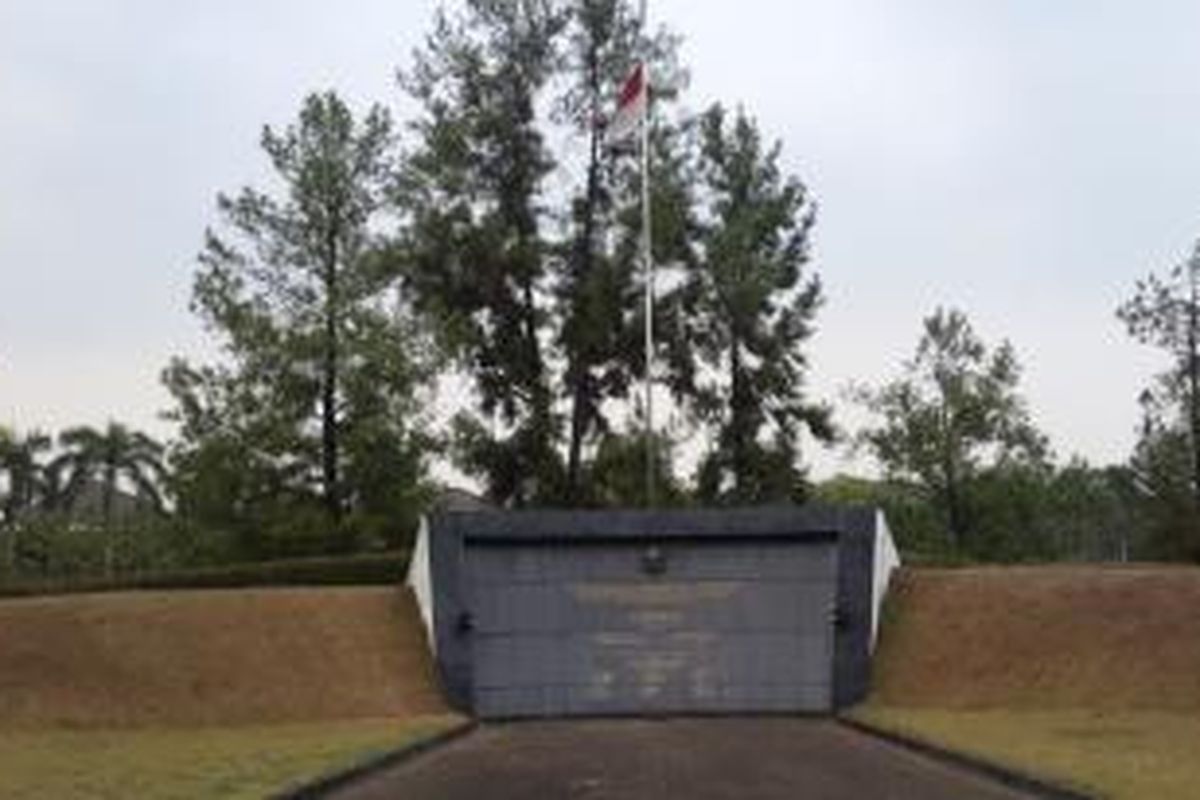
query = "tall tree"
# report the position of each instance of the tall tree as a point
(600, 51)
(25, 481)
(1161, 469)
(752, 307)
(597, 294)
(955, 411)
(1165, 312)
(528, 256)
(106, 457)
(476, 254)
(323, 361)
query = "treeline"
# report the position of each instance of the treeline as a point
(967, 475)
(483, 256)
(91, 502)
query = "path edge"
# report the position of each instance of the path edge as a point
(338, 778)
(1012, 778)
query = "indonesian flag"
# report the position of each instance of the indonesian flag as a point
(631, 108)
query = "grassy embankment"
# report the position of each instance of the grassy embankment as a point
(206, 693)
(1088, 676)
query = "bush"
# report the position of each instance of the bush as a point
(370, 569)
(51, 546)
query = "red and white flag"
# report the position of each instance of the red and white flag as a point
(631, 108)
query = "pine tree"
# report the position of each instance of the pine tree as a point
(532, 270)
(475, 254)
(598, 297)
(1165, 313)
(751, 307)
(322, 363)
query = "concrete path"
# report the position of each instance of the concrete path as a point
(694, 758)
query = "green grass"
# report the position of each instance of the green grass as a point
(162, 764)
(1124, 755)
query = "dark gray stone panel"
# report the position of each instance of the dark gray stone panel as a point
(856, 558)
(703, 635)
(531, 575)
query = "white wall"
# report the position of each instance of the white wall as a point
(887, 559)
(419, 580)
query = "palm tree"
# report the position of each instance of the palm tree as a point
(107, 456)
(25, 480)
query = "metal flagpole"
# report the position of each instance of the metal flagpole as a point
(647, 264)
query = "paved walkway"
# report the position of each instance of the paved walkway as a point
(693, 758)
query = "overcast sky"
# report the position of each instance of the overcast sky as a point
(1023, 161)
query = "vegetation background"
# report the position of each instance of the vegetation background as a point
(489, 240)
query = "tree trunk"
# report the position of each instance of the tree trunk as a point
(953, 506)
(575, 448)
(737, 422)
(580, 370)
(10, 526)
(11, 536)
(329, 426)
(106, 505)
(1193, 371)
(539, 396)
(954, 519)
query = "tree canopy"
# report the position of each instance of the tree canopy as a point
(1164, 312)
(532, 277)
(954, 411)
(465, 291)
(314, 409)
(752, 308)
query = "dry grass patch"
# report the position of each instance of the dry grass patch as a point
(213, 658)
(1123, 755)
(1042, 637)
(207, 694)
(227, 763)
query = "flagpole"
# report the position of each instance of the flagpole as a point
(647, 266)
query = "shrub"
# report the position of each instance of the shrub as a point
(369, 569)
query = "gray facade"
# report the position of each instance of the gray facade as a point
(549, 613)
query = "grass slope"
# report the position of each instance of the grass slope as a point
(196, 694)
(1086, 675)
(203, 658)
(1042, 637)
